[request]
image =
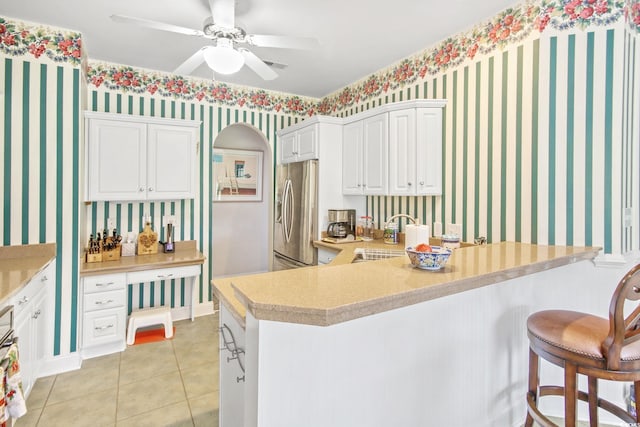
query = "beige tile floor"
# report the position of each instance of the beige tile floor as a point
(169, 383)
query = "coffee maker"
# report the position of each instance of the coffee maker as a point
(342, 222)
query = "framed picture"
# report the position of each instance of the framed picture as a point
(237, 175)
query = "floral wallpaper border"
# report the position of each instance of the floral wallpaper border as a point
(508, 27)
(131, 80)
(19, 39)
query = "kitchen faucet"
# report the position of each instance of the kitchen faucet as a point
(413, 220)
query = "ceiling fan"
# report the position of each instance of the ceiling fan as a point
(225, 55)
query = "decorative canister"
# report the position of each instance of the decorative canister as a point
(391, 233)
(450, 241)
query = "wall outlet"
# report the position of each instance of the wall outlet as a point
(111, 224)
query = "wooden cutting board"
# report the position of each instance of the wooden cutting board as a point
(147, 241)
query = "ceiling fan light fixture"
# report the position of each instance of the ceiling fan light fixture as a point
(223, 58)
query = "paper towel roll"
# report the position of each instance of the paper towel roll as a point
(415, 234)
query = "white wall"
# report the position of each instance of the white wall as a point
(241, 231)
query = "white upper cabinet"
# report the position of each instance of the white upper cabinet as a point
(402, 150)
(352, 158)
(172, 162)
(375, 148)
(131, 158)
(364, 151)
(395, 149)
(299, 144)
(429, 151)
(415, 152)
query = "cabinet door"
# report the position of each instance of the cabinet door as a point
(429, 151)
(232, 337)
(116, 152)
(288, 148)
(22, 329)
(307, 143)
(40, 335)
(375, 153)
(402, 152)
(171, 162)
(352, 158)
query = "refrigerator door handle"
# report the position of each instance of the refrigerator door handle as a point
(289, 205)
(278, 211)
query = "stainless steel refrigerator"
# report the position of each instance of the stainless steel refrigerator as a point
(296, 216)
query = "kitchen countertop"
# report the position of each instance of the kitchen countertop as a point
(18, 264)
(186, 253)
(342, 291)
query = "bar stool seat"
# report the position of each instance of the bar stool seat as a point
(590, 345)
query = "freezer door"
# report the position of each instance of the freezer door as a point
(296, 214)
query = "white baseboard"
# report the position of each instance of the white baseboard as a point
(204, 309)
(60, 364)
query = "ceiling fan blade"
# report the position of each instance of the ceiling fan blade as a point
(223, 11)
(282, 41)
(257, 65)
(193, 62)
(156, 25)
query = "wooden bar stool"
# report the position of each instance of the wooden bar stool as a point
(589, 345)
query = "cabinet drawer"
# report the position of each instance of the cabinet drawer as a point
(104, 283)
(28, 293)
(103, 326)
(163, 274)
(104, 300)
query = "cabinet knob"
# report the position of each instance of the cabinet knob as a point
(421, 182)
(23, 300)
(141, 190)
(37, 314)
(150, 189)
(44, 278)
(102, 328)
(409, 184)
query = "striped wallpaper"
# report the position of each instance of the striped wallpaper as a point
(532, 143)
(40, 177)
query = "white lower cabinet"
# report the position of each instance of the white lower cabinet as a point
(325, 256)
(232, 379)
(104, 305)
(32, 322)
(104, 314)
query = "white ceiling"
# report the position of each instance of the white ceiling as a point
(356, 37)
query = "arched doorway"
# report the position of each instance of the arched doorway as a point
(241, 231)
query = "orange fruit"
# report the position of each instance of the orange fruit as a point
(423, 247)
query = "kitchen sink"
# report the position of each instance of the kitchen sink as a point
(370, 254)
